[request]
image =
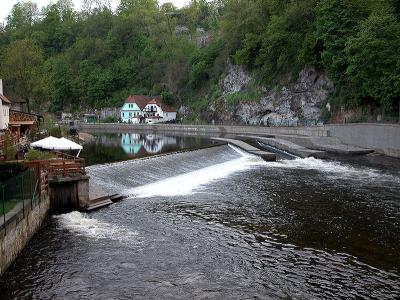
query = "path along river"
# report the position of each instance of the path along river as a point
(221, 224)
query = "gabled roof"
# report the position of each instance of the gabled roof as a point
(142, 101)
(4, 99)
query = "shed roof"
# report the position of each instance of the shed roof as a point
(5, 99)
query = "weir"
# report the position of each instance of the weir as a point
(158, 173)
(187, 213)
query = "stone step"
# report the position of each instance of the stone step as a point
(117, 197)
(288, 146)
(99, 204)
(268, 156)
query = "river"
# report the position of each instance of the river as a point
(221, 224)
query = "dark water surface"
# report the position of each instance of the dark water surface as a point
(220, 224)
(112, 147)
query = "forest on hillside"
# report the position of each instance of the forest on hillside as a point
(59, 59)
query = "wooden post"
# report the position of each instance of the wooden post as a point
(39, 175)
(4, 209)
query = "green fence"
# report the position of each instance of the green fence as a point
(18, 194)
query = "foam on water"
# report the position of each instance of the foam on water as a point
(188, 183)
(335, 169)
(82, 224)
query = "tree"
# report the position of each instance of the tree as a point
(22, 68)
(373, 57)
(22, 17)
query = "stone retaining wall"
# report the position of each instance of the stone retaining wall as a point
(212, 129)
(383, 138)
(19, 231)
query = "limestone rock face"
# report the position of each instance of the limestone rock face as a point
(203, 37)
(236, 80)
(184, 111)
(289, 105)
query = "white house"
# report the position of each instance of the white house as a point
(145, 109)
(4, 109)
(156, 111)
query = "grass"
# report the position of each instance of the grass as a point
(8, 205)
(242, 97)
(39, 155)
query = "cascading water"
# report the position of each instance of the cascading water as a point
(221, 224)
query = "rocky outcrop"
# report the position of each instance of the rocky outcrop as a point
(297, 103)
(183, 31)
(235, 80)
(203, 37)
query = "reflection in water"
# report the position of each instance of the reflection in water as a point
(139, 144)
(119, 147)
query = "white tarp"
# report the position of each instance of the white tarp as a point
(70, 145)
(52, 143)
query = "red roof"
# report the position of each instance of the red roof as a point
(4, 98)
(142, 101)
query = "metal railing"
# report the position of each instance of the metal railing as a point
(19, 195)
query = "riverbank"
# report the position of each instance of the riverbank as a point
(382, 138)
(21, 224)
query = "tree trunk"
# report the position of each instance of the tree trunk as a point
(28, 107)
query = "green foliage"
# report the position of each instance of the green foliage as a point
(9, 149)
(167, 97)
(203, 64)
(21, 65)
(110, 119)
(245, 96)
(374, 59)
(39, 155)
(55, 131)
(64, 60)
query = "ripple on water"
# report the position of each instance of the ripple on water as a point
(242, 228)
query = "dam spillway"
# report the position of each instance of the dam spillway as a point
(221, 224)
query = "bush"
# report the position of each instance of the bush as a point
(110, 119)
(10, 152)
(39, 155)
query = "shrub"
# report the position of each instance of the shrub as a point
(246, 96)
(39, 155)
(110, 119)
(10, 152)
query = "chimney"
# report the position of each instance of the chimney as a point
(1, 87)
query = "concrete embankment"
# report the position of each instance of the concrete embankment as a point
(19, 229)
(210, 129)
(382, 138)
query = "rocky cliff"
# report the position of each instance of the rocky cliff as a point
(242, 101)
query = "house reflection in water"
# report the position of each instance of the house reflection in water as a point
(140, 144)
